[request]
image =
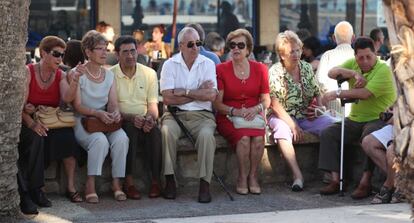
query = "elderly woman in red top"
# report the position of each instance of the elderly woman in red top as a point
(243, 92)
(46, 85)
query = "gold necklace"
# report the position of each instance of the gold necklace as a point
(41, 78)
(93, 76)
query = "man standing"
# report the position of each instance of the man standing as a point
(371, 82)
(188, 82)
(137, 89)
(343, 36)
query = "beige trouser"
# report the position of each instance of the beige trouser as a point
(201, 125)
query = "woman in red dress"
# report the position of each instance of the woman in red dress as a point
(243, 92)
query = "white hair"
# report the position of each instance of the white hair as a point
(184, 31)
(343, 32)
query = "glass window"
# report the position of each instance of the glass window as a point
(299, 14)
(144, 14)
(68, 19)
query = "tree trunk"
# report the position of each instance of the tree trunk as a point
(400, 22)
(13, 28)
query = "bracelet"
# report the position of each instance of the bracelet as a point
(260, 107)
(231, 111)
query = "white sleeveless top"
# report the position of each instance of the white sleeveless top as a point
(95, 95)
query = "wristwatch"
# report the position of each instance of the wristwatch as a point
(338, 92)
(187, 91)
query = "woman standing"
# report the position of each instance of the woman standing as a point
(243, 92)
(294, 95)
(96, 96)
(47, 86)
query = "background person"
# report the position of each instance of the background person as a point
(243, 91)
(157, 44)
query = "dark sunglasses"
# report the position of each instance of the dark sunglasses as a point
(239, 45)
(57, 54)
(191, 43)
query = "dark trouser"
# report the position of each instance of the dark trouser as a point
(30, 164)
(330, 142)
(148, 143)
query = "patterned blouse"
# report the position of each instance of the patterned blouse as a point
(289, 93)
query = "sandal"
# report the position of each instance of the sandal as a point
(383, 197)
(92, 198)
(74, 197)
(119, 195)
(397, 197)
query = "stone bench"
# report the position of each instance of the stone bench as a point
(273, 168)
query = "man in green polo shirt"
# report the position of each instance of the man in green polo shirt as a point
(370, 82)
(137, 90)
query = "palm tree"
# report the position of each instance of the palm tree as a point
(400, 22)
(13, 28)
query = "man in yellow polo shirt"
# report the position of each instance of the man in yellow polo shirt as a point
(137, 89)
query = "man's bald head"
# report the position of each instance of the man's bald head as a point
(343, 33)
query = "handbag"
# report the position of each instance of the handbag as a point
(240, 123)
(54, 118)
(93, 124)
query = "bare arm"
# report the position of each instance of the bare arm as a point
(346, 73)
(220, 106)
(203, 94)
(356, 93)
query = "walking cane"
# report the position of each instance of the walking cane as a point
(190, 137)
(344, 101)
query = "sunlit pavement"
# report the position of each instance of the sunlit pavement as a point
(387, 213)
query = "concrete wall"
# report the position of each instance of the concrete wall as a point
(269, 22)
(110, 12)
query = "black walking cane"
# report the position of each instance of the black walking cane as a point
(190, 137)
(344, 101)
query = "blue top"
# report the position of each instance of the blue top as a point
(210, 55)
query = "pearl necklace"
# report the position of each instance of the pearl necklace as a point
(93, 76)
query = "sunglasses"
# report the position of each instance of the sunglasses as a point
(240, 45)
(57, 54)
(192, 43)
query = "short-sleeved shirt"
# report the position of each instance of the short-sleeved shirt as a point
(175, 74)
(294, 97)
(380, 83)
(134, 94)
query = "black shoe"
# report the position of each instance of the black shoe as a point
(26, 205)
(40, 199)
(170, 191)
(204, 192)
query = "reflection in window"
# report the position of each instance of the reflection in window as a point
(68, 19)
(300, 14)
(144, 14)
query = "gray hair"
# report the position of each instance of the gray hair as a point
(343, 32)
(184, 31)
(286, 37)
(199, 30)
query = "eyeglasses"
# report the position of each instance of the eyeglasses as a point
(57, 54)
(99, 48)
(191, 43)
(240, 45)
(295, 52)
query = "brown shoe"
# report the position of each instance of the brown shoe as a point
(331, 188)
(155, 190)
(132, 192)
(362, 191)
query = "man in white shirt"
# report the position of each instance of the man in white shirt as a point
(188, 82)
(343, 36)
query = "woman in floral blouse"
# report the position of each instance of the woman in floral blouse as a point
(294, 95)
